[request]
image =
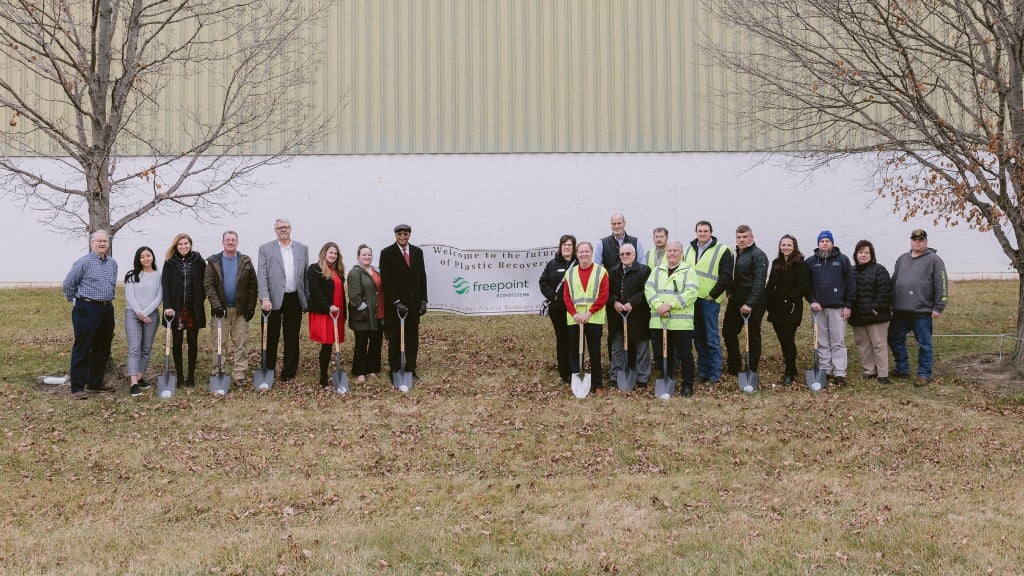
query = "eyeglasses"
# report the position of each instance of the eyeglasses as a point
(403, 233)
(282, 227)
(621, 254)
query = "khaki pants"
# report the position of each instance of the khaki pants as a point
(234, 331)
(873, 347)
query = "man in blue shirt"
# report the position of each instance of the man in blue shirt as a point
(90, 285)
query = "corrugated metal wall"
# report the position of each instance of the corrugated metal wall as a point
(482, 76)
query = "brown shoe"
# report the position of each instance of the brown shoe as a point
(80, 395)
(921, 382)
(103, 388)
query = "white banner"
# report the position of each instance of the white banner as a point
(485, 281)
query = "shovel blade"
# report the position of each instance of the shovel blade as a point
(220, 384)
(340, 379)
(165, 385)
(263, 380)
(817, 380)
(580, 385)
(747, 382)
(626, 380)
(664, 388)
(402, 381)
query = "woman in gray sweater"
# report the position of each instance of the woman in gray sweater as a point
(142, 294)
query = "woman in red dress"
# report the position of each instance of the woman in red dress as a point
(326, 281)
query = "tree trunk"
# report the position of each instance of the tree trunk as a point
(1017, 363)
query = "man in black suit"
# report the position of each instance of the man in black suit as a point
(404, 281)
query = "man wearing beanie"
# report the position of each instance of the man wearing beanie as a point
(920, 292)
(832, 291)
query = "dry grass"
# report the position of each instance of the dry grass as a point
(490, 467)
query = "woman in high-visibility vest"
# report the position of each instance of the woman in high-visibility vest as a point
(586, 293)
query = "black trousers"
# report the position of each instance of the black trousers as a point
(94, 332)
(289, 316)
(787, 341)
(563, 347)
(412, 343)
(191, 335)
(680, 352)
(732, 326)
(366, 358)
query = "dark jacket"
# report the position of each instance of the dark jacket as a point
(832, 282)
(402, 282)
(321, 290)
(610, 250)
(786, 291)
(749, 275)
(245, 285)
(362, 290)
(627, 285)
(551, 284)
(874, 295)
(175, 288)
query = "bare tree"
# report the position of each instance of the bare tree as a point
(932, 87)
(100, 86)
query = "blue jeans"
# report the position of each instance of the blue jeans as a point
(706, 339)
(900, 325)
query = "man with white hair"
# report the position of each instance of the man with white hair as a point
(90, 286)
(281, 281)
(671, 292)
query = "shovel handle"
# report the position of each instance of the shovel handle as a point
(167, 330)
(334, 320)
(582, 336)
(220, 347)
(263, 326)
(625, 331)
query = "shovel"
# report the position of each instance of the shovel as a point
(263, 379)
(626, 378)
(816, 377)
(220, 382)
(580, 380)
(402, 379)
(165, 382)
(339, 377)
(747, 378)
(665, 386)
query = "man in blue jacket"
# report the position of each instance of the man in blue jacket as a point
(832, 290)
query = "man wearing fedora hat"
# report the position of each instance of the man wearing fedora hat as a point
(920, 293)
(404, 281)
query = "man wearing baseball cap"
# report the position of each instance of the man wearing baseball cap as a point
(920, 293)
(404, 280)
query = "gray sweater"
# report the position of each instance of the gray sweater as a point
(145, 295)
(920, 285)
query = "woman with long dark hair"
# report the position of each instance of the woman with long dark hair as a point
(142, 294)
(365, 313)
(788, 284)
(183, 298)
(552, 285)
(326, 281)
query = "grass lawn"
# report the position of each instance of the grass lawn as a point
(490, 466)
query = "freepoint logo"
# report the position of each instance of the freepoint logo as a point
(505, 289)
(461, 285)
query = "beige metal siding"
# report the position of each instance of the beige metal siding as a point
(497, 76)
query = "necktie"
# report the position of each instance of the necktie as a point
(405, 253)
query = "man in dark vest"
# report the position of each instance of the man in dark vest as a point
(606, 253)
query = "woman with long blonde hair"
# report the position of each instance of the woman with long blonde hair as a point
(326, 281)
(184, 295)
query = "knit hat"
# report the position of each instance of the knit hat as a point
(826, 234)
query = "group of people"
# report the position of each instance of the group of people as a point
(284, 285)
(661, 304)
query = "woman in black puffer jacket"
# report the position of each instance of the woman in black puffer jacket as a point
(788, 284)
(551, 285)
(872, 309)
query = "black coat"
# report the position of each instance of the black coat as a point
(321, 290)
(786, 291)
(748, 278)
(627, 285)
(551, 284)
(873, 294)
(402, 282)
(174, 286)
